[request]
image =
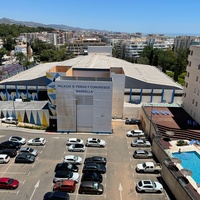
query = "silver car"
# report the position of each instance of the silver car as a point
(29, 150)
(76, 147)
(140, 143)
(142, 154)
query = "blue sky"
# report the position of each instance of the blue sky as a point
(145, 16)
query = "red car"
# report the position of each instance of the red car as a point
(8, 183)
(65, 186)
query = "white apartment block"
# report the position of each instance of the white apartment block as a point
(191, 97)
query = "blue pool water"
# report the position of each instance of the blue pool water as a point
(190, 160)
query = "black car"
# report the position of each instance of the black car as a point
(66, 166)
(132, 121)
(56, 195)
(92, 176)
(96, 159)
(24, 158)
(10, 145)
(10, 152)
(90, 187)
(94, 167)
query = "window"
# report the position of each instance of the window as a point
(184, 94)
(197, 78)
(193, 101)
(199, 67)
(186, 85)
(196, 104)
(189, 63)
(194, 90)
(198, 92)
(191, 52)
(188, 74)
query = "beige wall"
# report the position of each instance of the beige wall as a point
(191, 99)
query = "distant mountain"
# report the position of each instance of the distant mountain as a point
(36, 24)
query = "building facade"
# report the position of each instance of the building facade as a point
(191, 97)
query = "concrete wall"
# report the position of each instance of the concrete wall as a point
(84, 106)
(118, 95)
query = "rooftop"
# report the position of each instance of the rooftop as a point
(137, 72)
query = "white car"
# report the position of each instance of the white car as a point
(77, 147)
(37, 142)
(95, 142)
(140, 143)
(19, 139)
(62, 175)
(135, 133)
(149, 186)
(72, 159)
(9, 120)
(4, 158)
(74, 141)
(28, 150)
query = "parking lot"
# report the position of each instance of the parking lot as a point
(37, 178)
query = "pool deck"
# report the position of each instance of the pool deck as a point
(194, 147)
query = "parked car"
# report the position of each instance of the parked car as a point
(92, 176)
(66, 175)
(135, 133)
(96, 159)
(9, 120)
(8, 183)
(65, 186)
(28, 150)
(95, 142)
(132, 121)
(56, 195)
(74, 141)
(140, 143)
(19, 139)
(10, 145)
(10, 152)
(90, 187)
(37, 142)
(24, 158)
(94, 167)
(149, 186)
(149, 167)
(142, 154)
(72, 159)
(4, 158)
(76, 147)
(66, 166)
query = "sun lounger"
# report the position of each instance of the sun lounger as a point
(167, 112)
(189, 122)
(153, 112)
(191, 142)
(162, 112)
(157, 112)
(197, 142)
(194, 123)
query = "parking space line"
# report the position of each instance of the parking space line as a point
(13, 173)
(10, 191)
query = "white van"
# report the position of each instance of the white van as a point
(135, 133)
(4, 158)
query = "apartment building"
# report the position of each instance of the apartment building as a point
(80, 46)
(191, 97)
(184, 42)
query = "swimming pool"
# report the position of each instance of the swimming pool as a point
(190, 160)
